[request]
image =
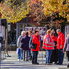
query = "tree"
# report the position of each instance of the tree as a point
(60, 6)
(14, 13)
(36, 11)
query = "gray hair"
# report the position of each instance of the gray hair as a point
(58, 30)
(22, 32)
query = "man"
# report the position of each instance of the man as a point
(30, 53)
(20, 55)
(60, 46)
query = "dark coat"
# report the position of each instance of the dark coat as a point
(54, 55)
(66, 47)
(25, 41)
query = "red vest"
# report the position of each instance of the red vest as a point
(46, 45)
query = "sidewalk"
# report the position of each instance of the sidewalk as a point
(13, 63)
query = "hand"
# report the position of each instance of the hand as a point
(54, 44)
(29, 47)
(18, 46)
(63, 52)
(60, 46)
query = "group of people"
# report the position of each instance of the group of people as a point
(53, 45)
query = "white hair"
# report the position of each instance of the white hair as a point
(22, 32)
(58, 30)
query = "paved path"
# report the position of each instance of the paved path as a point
(13, 63)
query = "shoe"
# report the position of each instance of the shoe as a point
(32, 63)
(23, 60)
(55, 63)
(49, 64)
(59, 64)
(18, 59)
(36, 63)
(27, 60)
(68, 65)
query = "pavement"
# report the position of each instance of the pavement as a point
(13, 63)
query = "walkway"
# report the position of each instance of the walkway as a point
(13, 63)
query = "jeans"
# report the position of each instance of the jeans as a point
(29, 52)
(20, 55)
(48, 56)
(25, 52)
(60, 56)
(34, 57)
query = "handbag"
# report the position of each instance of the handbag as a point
(17, 50)
(34, 46)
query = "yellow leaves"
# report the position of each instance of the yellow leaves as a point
(16, 13)
(55, 6)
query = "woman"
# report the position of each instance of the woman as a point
(66, 48)
(20, 55)
(35, 51)
(54, 56)
(25, 41)
(48, 45)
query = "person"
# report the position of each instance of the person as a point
(54, 56)
(20, 55)
(66, 48)
(35, 51)
(25, 41)
(30, 53)
(48, 45)
(60, 46)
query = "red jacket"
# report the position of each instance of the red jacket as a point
(35, 41)
(60, 40)
(48, 42)
(54, 38)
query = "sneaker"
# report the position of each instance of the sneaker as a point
(18, 59)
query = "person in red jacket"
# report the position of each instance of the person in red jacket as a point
(35, 51)
(60, 46)
(48, 44)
